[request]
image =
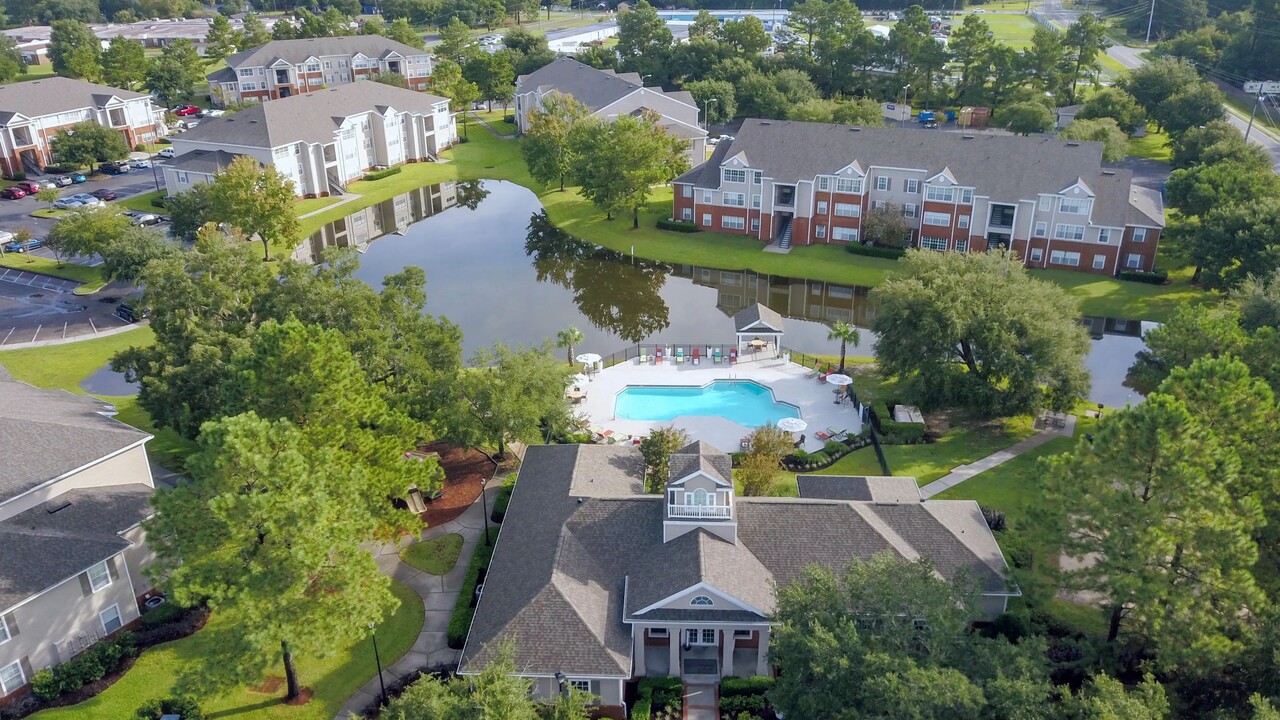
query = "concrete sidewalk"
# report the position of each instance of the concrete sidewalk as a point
(964, 472)
(439, 594)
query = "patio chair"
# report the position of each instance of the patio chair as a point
(657, 356)
(679, 355)
(733, 355)
(644, 358)
(695, 356)
(823, 436)
(718, 357)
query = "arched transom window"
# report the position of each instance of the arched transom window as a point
(701, 600)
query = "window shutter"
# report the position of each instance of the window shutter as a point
(85, 587)
(25, 664)
(11, 624)
(111, 568)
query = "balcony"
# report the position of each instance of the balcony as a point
(700, 511)
(784, 196)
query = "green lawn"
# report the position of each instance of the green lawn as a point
(436, 556)
(142, 203)
(1152, 146)
(1014, 30)
(92, 277)
(302, 206)
(334, 678)
(959, 446)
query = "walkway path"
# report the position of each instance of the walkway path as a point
(701, 701)
(439, 594)
(964, 472)
(491, 128)
(346, 198)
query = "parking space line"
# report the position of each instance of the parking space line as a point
(36, 334)
(95, 327)
(6, 336)
(64, 329)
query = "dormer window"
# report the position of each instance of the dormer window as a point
(701, 601)
(734, 176)
(702, 497)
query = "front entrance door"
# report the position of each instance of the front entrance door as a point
(699, 636)
(286, 92)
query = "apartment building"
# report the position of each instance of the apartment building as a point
(32, 113)
(320, 140)
(73, 492)
(608, 95)
(1051, 201)
(282, 68)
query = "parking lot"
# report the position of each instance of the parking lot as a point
(45, 309)
(16, 214)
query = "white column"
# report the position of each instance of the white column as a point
(762, 660)
(674, 636)
(726, 666)
(637, 650)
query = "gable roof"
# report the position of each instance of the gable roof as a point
(589, 86)
(295, 52)
(209, 162)
(56, 94)
(862, 489)
(700, 456)
(748, 318)
(310, 117)
(568, 572)
(53, 432)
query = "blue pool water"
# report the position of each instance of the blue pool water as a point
(744, 402)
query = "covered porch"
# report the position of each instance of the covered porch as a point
(740, 651)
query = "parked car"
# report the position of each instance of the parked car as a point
(931, 125)
(16, 246)
(31, 187)
(146, 219)
(104, 194)
(139, 163)
(66, 203)
(185, 110)
(78, 177)
(62, 180)
(119, 167)
(215, 112)
(86, 199)
(13, 192)
(166, 152)
(189, 124)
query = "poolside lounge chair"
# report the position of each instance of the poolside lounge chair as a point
(823, 436)
(717, 356)
(644, 357)
(695, 356)
(733, 355)
(657, 356)
(679, 355)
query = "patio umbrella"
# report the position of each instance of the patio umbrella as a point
(791, 424)
(580, 378)
(758, 344)
(588, 358)
(835, 379)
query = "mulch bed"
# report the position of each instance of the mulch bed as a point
(464, 471)
(270, 684)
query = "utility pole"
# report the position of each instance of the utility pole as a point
(1150, 20)
(1256, 99)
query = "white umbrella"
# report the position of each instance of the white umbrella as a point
(579, 379)
(835, 379)
(588, 358)
(792, 424)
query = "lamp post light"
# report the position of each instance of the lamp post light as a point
(902, 119)
(377, 659)
(563, 683)
(706, 108)
(484, 504)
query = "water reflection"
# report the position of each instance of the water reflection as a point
(501, 272)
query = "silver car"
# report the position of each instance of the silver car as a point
(66, 203)
(62, 180)
(140, 162)
(86, 199)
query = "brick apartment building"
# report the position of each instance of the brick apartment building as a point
(282, 68)
(1050, 200)
(32, 113)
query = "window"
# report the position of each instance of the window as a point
(962, 245)
(686, 214)
(11, 678)
(686, 191)
(755, 224)
(755, 201)
(913, 186)
(884, 183)
(938, 219)
(706, 219)
(824, 182)
(313, 67)
(1104, 235)
(581, 685)
(342, 63)
(962, 222)
(99, 576)
(110, 619)
(706, 196)
(755, 177)
(701, 600)
(822, 207)
(848, 210)
(4, 631)
(1134, 260)
(733, 222)
(877, 204)
(940, 194)
(246, 72)
(1062, 257)
(820, 231)
(659, 633)
(1099, 262)
(735, 199)
(909, 210)
(1037, 254)
(1042, 228)
(966, 197)
(1139, 234)
(1074, 206)
(328, 65)
(734, 176)
(1046, 203)
(845, 234)
(933, 243)
(743, 634)
(1062, 231)
(852, 185)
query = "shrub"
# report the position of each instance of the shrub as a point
(44, 686)
(735, 704)
(502, 501)
(164, 141)
(509, 119)
(87, 667)
(18, 176)
(642, 709)
(677, 225)
(1012, 625)
(179, 627)
(875, 250)
(663, 693)
(819, 458)
(835, 448)
(736, 458)
(460, 621)
(159, 201)
(995, 518)
(757, 685)
(185, 707)
(162, 615)
(893, 432)
(378, 175)
(1155, 277)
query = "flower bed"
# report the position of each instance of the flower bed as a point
(801, 461)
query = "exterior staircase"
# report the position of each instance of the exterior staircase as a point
(782, 241)
(335, 185)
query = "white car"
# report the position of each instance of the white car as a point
(62, 180)
(66, 203)
(140, 162)
(978, 11)
(167, 153)
(86, 199)
(214, 113)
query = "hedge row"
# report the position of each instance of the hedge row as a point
(378, 175)
(183, 707)
(893, 432)
(663, 692)
(757, 685)
(504, 498)
(1155, 277)
(460, 621)
(89, 666)
(830, 453)
(677, 225)
(875, 250)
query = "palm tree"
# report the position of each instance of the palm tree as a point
(568, 338)
(846, 333)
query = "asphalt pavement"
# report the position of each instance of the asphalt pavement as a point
(37, 308)
(16, 214)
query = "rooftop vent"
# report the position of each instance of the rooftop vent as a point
(967, 137)
(856, 129)
(1108, 172)
(1072, 144)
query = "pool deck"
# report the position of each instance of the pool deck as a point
(791, 383)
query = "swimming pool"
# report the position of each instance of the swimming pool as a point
(747, 403)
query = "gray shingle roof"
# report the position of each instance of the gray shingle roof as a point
(209, 162)
(862, 489)
(295, 52)
(51, 433)
(697, 456)
(563, 564)
(223, 75)
(55, 541)
(752, 314)
(310, 117)
(54, 95)
(1004, 168)
(589, 86)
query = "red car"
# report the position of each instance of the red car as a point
(30, 187)
(13, 192)
(185, 110)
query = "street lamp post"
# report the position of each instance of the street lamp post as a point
(484, 504)
(378, 660)
(155, 174)
(706, 107)
(902, 119)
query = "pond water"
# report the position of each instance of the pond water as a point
(498, 270)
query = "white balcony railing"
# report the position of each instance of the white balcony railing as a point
(700, 511)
